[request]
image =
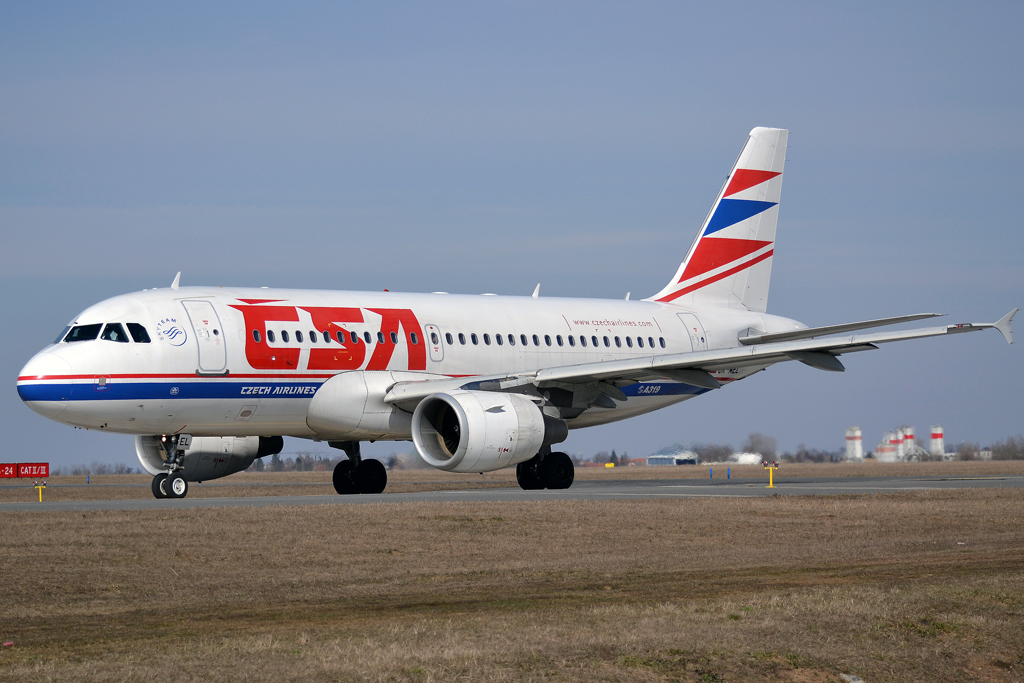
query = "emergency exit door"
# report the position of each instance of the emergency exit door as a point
(213, 357)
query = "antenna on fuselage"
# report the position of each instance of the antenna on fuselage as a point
(177, 279)
(536, 291)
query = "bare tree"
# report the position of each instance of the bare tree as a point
(761, 443)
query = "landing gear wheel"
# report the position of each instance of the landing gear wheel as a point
(176, 486)
(344, 482)
(526, 475)
(556, 471)
(371, 476)
(158, 485)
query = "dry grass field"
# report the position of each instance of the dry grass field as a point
(922, 586)
(247, 484)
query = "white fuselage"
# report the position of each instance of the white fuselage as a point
(247, 362)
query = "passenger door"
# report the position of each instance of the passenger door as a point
(213, 357)
(698, 339)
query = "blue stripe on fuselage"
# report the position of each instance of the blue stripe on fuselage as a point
(142, 391)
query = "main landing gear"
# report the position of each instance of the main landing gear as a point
(546, 471)
(172, 484)
(356, 475)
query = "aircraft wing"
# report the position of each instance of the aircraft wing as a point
(605, 378)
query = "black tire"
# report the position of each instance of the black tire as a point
(158, 485)
(371, 476)
(176, 486)
(556, 471)
(526, 475)
(343, 479)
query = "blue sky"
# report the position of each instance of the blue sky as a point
(490, 146)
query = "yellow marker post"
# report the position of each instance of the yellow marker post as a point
(771, 471)
(40, 487)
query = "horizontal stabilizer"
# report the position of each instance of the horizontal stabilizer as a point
(812, 332)
(1003, 325)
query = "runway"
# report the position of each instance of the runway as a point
(583, 490)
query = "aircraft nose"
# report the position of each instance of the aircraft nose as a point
(44, 384)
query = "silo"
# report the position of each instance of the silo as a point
(854, 447)
(938, 441)
(898, 445)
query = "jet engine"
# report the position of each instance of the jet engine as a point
(209, 457)
(481, 431)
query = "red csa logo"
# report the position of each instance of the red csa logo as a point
(331, 354)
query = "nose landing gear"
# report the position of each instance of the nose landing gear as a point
(356, 475)
(172, 484)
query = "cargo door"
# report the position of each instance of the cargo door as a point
(213, 357)
(434, 342)
(698, 339)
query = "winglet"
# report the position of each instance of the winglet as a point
(536, 291)
(177, 279)
(1003, 325)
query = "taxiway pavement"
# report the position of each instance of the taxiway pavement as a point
(581, 490)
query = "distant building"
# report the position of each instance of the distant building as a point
(854, 444)
(681, 458)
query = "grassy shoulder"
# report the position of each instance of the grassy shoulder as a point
(895, 587)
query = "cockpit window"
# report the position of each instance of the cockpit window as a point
(59, 339)
(83, 333)
(139, 334)
(115, 333)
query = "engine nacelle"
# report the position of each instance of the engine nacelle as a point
(350, 407)
(481, 431)
(209, 457)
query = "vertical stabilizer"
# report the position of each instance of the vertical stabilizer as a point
(730, 262)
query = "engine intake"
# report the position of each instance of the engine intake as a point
(481, 431)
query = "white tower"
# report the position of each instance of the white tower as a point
(854, 446)
(938, 441)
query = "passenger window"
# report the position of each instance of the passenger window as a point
(270, 336)
(367, 338)
(487, 339)
(650, 340)
(115, 333)
(354, 336)
(572, 341)
(340, 336)
(298, 336)
(327, 337)
(284, 336)
(256, 336)
(139, 334)
(536, 340)
(83, 333)
(629, 342)
(522, 339)
(583, 341)
(558, 339)
(474, 338)
(547, 339)
(394, 337)
(618, 342)
(606, 342)
(433, 337)
(594, 340)
(497, 338)
(312, 337)
(462, 339)
(511, 340)
(640, 342)
(448, 338)
(661, 340)
(414, 337)
(380, 337)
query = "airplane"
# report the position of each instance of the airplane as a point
(208, 379)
